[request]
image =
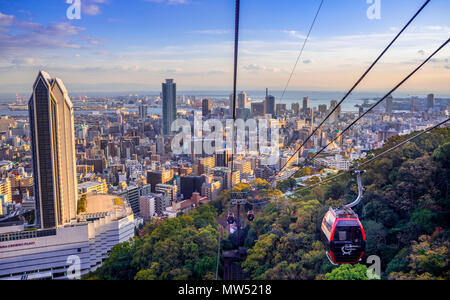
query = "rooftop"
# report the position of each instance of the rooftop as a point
(101, 203)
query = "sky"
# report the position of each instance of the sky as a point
(133, 45)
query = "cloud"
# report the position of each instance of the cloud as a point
(257, 68)
(307, 61)
(421, 52)
(6, 20)
(93, 41)
(91, 9)
(170, 2)
(23, 38)
(294, 34)
(24, 61)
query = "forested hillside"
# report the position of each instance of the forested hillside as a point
(405, 212)
(183, 248)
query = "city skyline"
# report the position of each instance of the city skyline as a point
(113, 49)
(128, 156)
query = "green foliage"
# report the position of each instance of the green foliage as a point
(81, 207)
(183, 248)
(407, 196)
(348, 272)
(405, 212)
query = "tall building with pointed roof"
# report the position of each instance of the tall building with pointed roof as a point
(53, 151)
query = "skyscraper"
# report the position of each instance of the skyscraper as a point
(142, 111)
(430, 101)
(335, 115)
(206, 107)
(169, 93)
(53, 151)
(269, 104)
(242, 100)
(305, 103)
(295, 107)
(389, 104)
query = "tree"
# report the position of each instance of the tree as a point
(348, 272)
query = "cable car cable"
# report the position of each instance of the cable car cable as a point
(301, 51)
(375, 157)
(382, 99)
(354, 86)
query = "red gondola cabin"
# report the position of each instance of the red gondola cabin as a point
(344, 236)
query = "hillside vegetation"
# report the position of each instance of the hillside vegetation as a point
(405, 212)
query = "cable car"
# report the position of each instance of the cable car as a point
(251, 216)
(343, 234)
(231, 219)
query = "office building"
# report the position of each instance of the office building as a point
(242, 100)
(44, 253)
(336, 114)
(270, 105)
(142, 111)
(305, 103)
(53, 152)
(147, 207)
(169, 97)
(389, 104)
(431, 101)
(222, 158)
(258, 109)
(170, 191)
(280, 109)
(206, 107)
(323, 109)
(157, 177)
(191, 184)
(295, 107)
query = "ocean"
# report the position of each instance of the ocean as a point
(315, 98)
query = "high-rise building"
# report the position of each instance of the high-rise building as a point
(170, 191)
(280, 109)
(389, 104)
(222, 158)
(269, 104)
(323, 109)
(295, 107)
(206, 107)
(53, 151)
(169, 93)
(305, 103)
(336, 113)
(142, 111)
(430, 101)
(242, 100)
(190, 185)
(157, 177)
(258, 109)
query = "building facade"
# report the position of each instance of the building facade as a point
(53, 151)
(169, 93)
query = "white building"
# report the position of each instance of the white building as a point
(54, 253)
